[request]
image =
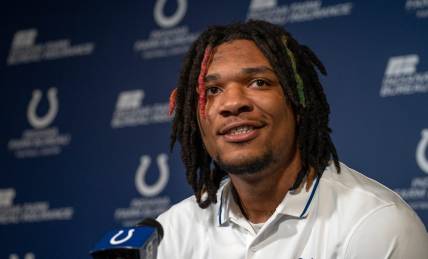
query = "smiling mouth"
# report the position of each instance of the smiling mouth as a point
(239, 134)
(239, 130)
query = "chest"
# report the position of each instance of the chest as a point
(288, 239)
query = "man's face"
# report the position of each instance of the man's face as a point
(248, 125)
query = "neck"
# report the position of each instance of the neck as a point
(260, 194)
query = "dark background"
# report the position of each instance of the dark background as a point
(94, 173)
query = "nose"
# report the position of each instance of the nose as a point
(235, 101)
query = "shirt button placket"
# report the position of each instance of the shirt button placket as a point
(251, 251)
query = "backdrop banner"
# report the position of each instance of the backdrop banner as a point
(84, 136)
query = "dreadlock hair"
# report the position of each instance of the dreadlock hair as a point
(295, 66)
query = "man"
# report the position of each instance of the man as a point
(252, 120)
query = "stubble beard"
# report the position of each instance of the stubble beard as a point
(247, 165)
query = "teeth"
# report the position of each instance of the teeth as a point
(240, 130)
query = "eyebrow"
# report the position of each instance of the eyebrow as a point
(246, 71)
(257, 70)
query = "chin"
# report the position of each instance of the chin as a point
(245, 164)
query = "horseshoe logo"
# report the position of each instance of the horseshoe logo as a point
(421, 158)
(167, 22)
(115, 241)
(160, 184)
(42, 122)
(27, 256)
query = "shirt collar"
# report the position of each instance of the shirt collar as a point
(296, 203)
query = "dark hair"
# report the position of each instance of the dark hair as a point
(295, 66)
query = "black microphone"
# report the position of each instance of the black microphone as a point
(139, 242)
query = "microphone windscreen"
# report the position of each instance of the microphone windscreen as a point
(151, 222)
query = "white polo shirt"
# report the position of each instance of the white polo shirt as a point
(344, 215)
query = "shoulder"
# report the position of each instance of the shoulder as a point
(352, 191)
(186, 209)
(185, 214)
(378, 222)
(185, 226)
(350, 183)
(390, 231)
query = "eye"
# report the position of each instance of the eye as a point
(259, 83)
(212, 90)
